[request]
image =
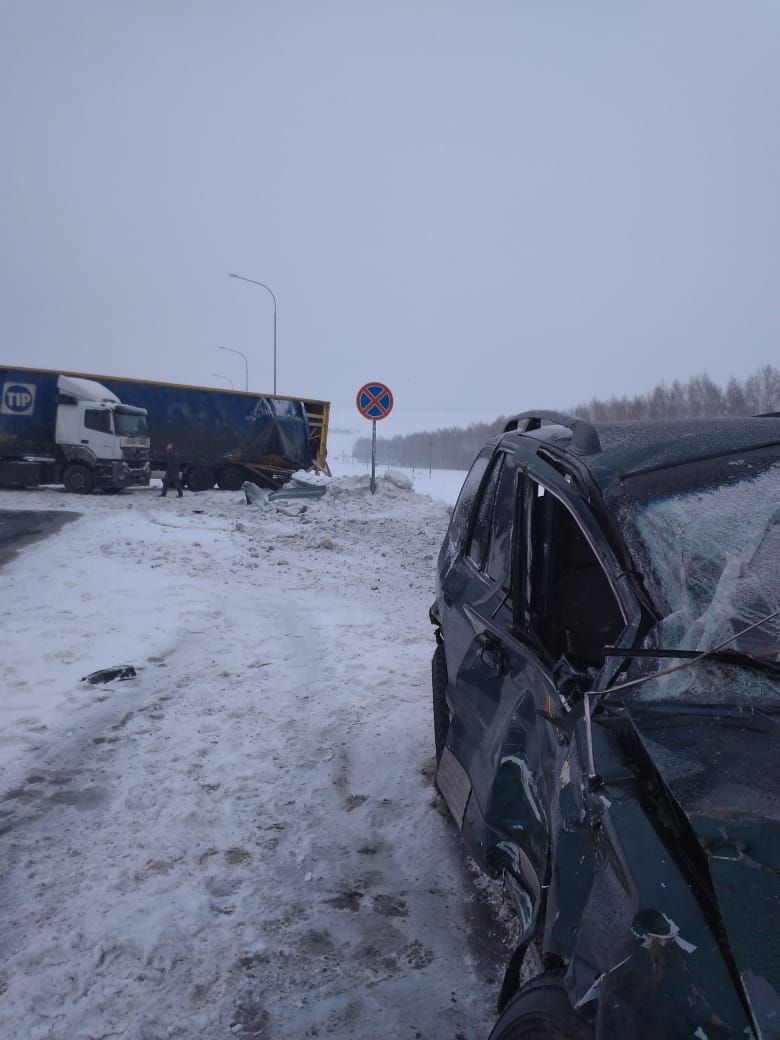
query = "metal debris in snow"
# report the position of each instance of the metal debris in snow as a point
(312, 491)
(106, 675)
(255, 495)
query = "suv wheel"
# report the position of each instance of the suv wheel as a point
(441, 712)
(541, 1011)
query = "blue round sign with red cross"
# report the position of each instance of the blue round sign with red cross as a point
(374, 401)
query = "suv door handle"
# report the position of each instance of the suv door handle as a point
(84, 442)
(491, 653)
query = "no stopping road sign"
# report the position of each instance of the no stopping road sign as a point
(374, 401)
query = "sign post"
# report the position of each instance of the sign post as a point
(374, 402)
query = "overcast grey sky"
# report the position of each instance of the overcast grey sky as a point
(490, 206)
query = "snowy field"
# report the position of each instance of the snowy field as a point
(243, 840)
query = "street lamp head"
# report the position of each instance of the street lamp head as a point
(246, 363)
(273, 297)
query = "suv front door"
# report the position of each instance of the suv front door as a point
(492, 769)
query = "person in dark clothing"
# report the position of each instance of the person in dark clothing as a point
(172, 474)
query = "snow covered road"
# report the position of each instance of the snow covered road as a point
(243, 841)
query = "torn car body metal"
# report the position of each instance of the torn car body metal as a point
(107, 675)
(629, 801)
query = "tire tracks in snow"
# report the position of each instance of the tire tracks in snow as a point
(246, 843)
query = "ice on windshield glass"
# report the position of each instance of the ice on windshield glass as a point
(715, 555)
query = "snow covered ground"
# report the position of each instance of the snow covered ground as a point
(244, 840)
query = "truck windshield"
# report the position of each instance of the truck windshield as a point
(129, 425)
(711, 556)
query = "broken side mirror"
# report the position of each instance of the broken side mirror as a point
(491, 655)
(571, 679)
(571, 682)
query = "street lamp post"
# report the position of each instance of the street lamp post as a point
(246, 364)
(270, 290)
(218, 375)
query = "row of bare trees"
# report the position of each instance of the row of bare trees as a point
(453, 448)
(699, 397)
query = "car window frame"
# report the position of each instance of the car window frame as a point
(509, 458)
(460, 527)
(523, 601)
(496, 461)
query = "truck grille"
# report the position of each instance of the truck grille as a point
(135, 454)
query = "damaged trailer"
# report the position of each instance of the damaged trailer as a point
(606, 691)
(226, 437)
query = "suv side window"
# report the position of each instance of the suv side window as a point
(573, 609)
(98, 419)
(463, 507)
(481, 528)
(499, 555)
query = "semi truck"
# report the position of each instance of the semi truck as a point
(226, 437)
(60, 429)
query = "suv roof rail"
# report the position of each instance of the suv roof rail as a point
(584, 437)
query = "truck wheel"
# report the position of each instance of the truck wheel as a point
(541, 1011)
(200, 478)
(78, 479)
(441, 712)
(230, 478)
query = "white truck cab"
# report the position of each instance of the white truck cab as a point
(104, 443)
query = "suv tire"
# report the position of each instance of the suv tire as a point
(541, 1011)
(441, 713)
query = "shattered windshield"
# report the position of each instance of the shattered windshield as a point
(711, 558)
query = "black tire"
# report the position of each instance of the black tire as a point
(230, 478)
(200, 478)
(541, 1011)
(78, 479)
(441, 713)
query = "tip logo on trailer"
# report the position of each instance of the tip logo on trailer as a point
(17, 399)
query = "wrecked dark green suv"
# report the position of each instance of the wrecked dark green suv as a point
(606, 688)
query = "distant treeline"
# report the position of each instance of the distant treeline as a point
(455, 447)
(699, 398)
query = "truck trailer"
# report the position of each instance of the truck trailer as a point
(226, 437)
(59, 429)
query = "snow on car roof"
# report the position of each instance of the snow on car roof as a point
(630, 448)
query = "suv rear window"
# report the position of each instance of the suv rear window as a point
(468, 493)
(483, 521)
